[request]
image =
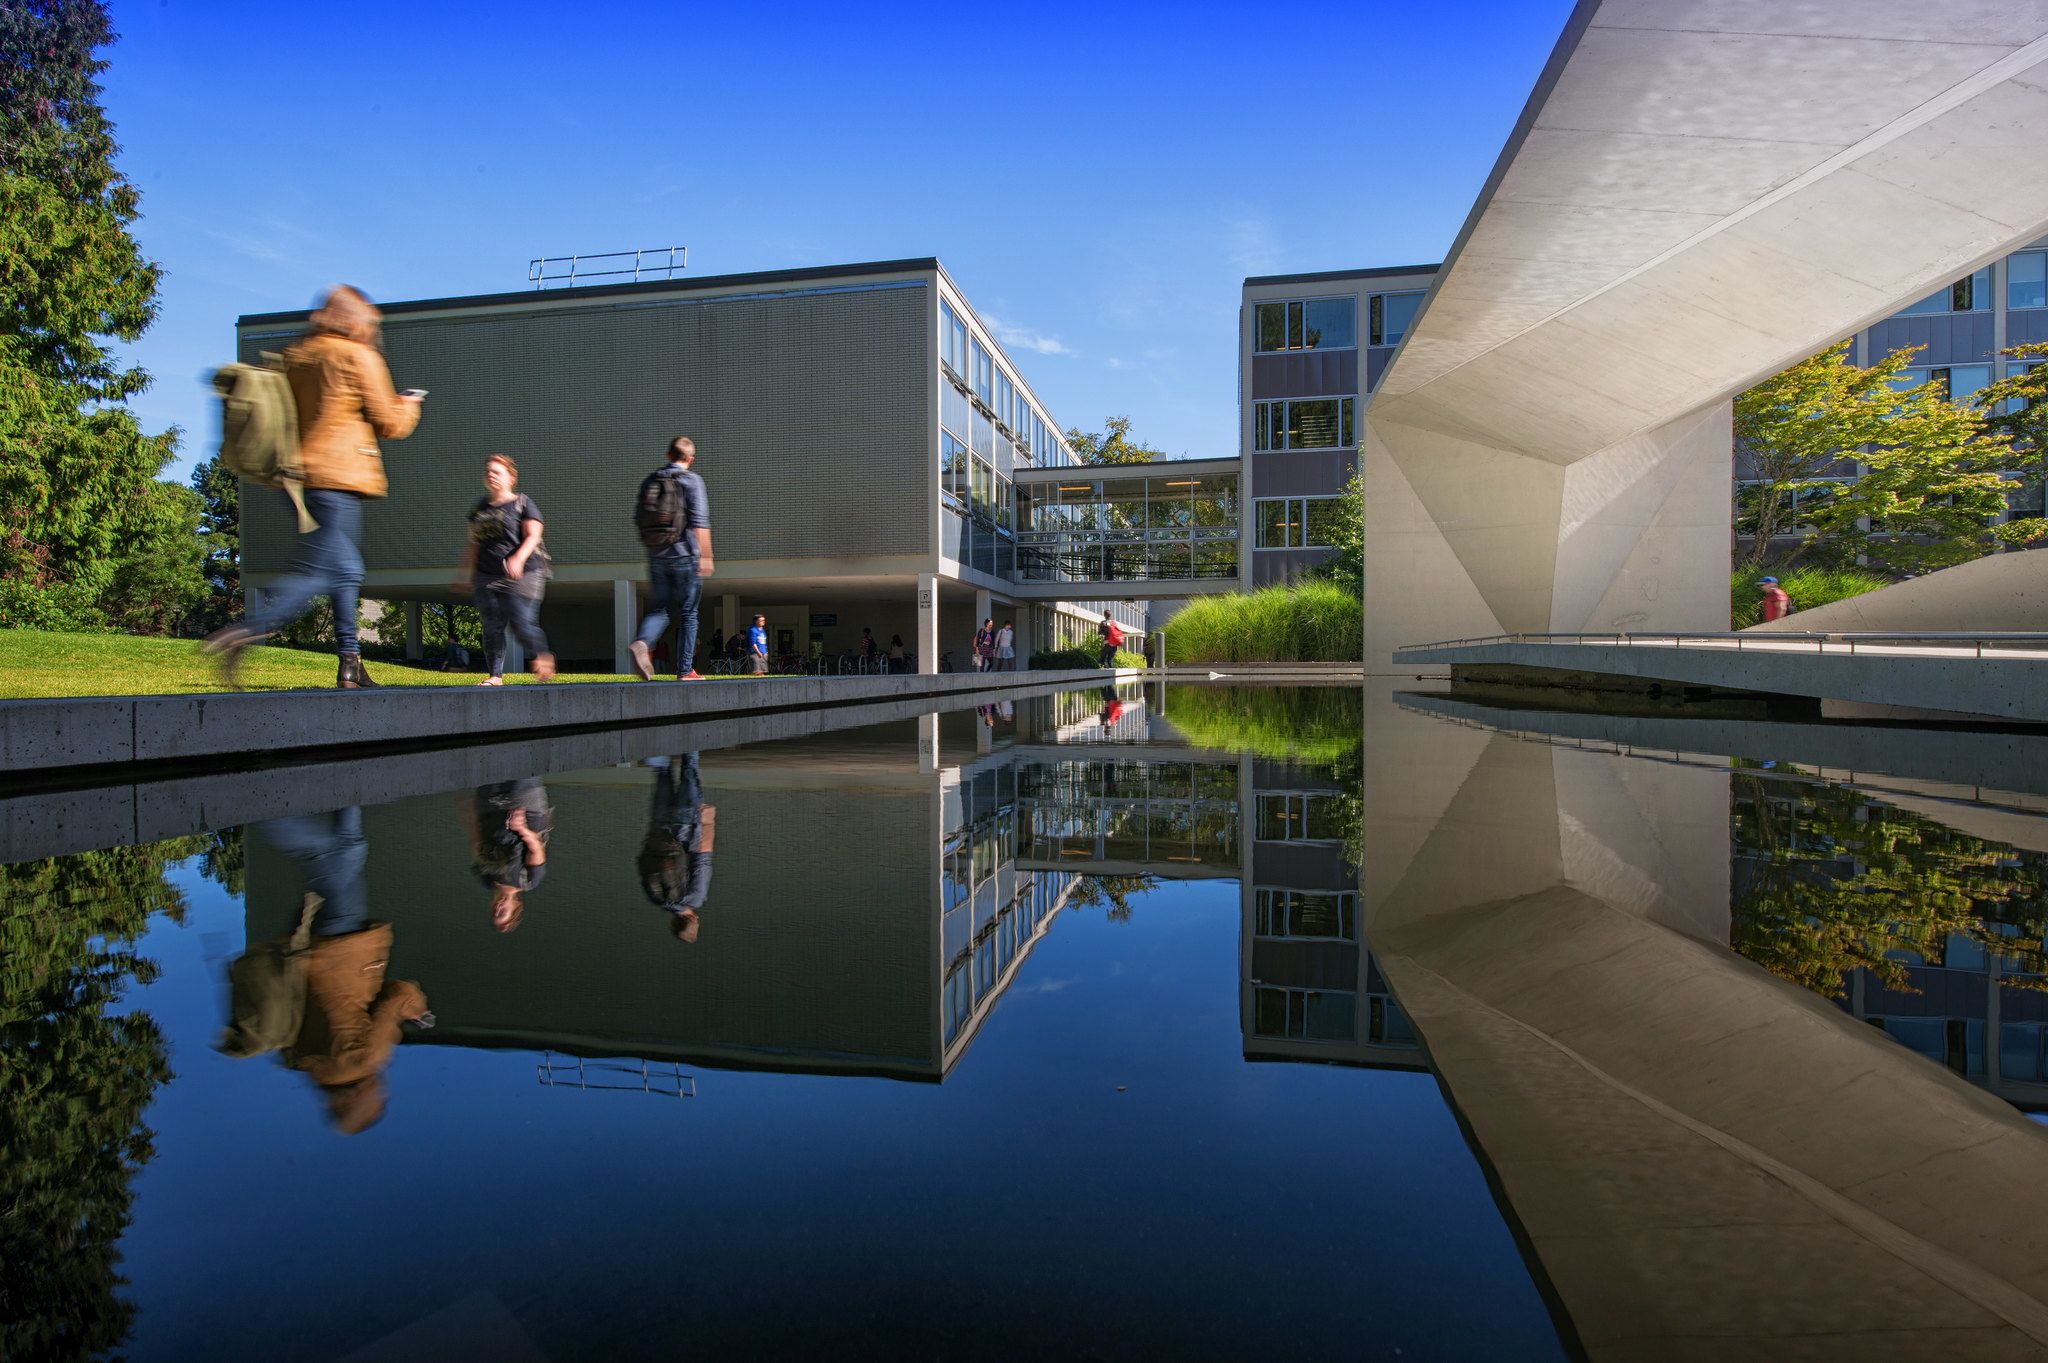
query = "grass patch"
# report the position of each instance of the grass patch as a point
(41, 663)
(1808, 588)
(1324, 726)
(1306, 622)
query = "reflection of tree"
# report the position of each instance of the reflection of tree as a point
(1829, 881)
(74, 1080)
(1112, 891)
(1314, 727)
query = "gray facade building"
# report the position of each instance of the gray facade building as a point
(822, 403)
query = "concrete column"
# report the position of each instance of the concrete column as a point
(252, 599)
(983, 608)
(984, 736)
(928, 623)
(415, 633)
(729, 613)
(1027, 634)
(625, 624)
(928, 743)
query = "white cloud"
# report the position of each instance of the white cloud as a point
(1114, 363)
(1022, 338)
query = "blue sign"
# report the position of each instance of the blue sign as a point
(820, 619)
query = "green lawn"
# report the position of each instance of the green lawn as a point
(38, 663)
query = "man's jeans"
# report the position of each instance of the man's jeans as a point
(673, 588)
(325, 563)
(330, 853)
(517, 611)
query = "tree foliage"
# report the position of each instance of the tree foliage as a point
(2016, 407)
(1829, 881)
(1111, 445)
(76, 471)
(220, 543)
(77, 1070)
(1930, 492)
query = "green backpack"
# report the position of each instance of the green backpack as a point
(267, 992)
(259, 429)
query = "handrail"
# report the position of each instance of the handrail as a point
(1821, 639)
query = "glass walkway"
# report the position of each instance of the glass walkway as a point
(1166, 529)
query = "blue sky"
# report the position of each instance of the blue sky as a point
(1098, 179)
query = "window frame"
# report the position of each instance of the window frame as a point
(1265, 430)
(1295, 310)
(1376, 310)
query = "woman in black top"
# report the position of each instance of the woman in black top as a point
(507, 570)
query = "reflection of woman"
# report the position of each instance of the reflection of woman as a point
(509, 822)
(350, 1028)
(507, 569)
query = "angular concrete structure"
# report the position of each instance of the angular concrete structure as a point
(1695, 197)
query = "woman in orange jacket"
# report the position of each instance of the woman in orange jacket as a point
(346, 404)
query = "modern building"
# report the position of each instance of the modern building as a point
(862, 432)
(1962, 331)
(1310, 350)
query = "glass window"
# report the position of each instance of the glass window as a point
(984, 437)
(1279, 523)
(953, 467)
(1303, 424)
(1004, 399)
(1971, 293)
(984, 375)
(951, 333)
(1325, 517)
(1272, 326)
(953, 410)
(2026, 280)
(1391, 314)
(1332, 323)
(982, 491)
(1262, 426)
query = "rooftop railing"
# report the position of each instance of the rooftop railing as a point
(659, 262)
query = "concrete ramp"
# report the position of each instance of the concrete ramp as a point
(1997, 592)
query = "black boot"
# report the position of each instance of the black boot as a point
(352, 675)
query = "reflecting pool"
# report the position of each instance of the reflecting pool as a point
(1155, 1021)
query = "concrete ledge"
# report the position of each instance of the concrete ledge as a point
(75, 737)
(2001, 688)
(60, 822)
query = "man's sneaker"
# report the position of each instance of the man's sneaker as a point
(643, 661)
(691, 675)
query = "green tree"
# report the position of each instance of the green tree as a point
(159, 584)
(1345, 532)
(220, 542)
(75, 468)
(1111, 445)
(1930, 493)
(77, 1071)
(2017, 407)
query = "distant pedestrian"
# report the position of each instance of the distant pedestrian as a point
(1776, 604)
(869, 649)
(345, 401)
(675, 856)
(985, 645)
(507, 570)
(898, 659)
(1112, 640)
(757, 647)
(717, 649)
(672, 514)
(1006, 656)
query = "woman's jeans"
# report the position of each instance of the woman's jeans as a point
(518, 611)
(326, 563)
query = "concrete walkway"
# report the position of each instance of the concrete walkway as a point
(1960, 677)
(72, 737)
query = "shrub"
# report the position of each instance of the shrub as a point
(1808, 588)
(1311, 621)
(1081, 657)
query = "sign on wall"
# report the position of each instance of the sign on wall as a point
(821, 619)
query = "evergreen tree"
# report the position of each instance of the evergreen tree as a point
(220, 541)
(76, 471)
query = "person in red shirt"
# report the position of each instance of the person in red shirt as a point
(1777, 605)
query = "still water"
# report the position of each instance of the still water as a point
(1184, 1022)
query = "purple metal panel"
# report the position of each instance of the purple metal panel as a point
(1302, 473)
(1376, 358)
(1305, 374)
(2024, 326)
(1945, 338)
(1270, 566)
(1305, 965)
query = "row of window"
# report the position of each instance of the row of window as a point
(1304, 424)
(1301, 522)
(967, 360)
(1332, 323)
(1329, 914)
(2026, 286)
(1315, 817)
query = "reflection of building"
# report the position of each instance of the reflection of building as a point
(874, 894)
(1956, 1002)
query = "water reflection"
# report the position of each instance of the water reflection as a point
(509, 823)
(675, 856)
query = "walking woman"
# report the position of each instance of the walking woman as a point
(507, 570)
(985, 645)
(346, 404)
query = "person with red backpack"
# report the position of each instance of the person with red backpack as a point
(672, 513)
(1112, 640)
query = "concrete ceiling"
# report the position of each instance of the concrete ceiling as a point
(1703, 192)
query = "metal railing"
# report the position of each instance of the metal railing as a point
(657, 262)
(1167, 561)
(1844, 641)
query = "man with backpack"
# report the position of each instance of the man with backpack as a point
(672, 513)
(1112, 640)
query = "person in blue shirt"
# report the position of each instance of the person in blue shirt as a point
(673, 518)
(757, 646)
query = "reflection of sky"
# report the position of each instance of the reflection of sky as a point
(1102, 1169)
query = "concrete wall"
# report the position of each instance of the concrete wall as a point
(808, 409)
(1998, 592)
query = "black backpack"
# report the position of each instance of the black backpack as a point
(660, 510)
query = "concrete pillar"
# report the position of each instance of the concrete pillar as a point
(928, 623)
(984, 736)
(1027, 634)
(415, 633)
(252, 599)
(625, 623)
(515, 655)
(982, 608)
(729, 613)
(928, 743)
